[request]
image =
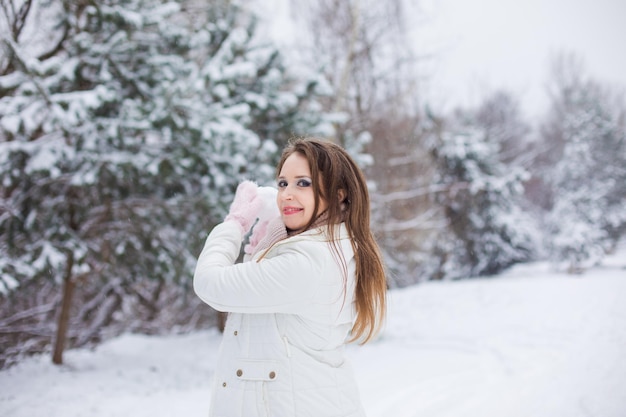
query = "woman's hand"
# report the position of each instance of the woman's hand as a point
(267, 213)
(246, 206)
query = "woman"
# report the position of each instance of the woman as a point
(315, 281)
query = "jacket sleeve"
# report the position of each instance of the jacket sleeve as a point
(281, 284)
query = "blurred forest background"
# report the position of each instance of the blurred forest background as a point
(125, 126)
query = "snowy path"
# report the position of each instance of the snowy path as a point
(529, 343)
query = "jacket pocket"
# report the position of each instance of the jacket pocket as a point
(258, 370)
(260, 373)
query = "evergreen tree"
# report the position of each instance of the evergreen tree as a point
(587, 216)
(123, 145)
(486, 229)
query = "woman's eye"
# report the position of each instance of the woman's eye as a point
(282, 184)
(304, 183)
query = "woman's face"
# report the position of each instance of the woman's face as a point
(296, 200)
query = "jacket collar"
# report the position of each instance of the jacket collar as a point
(318, 234)
(321, 233)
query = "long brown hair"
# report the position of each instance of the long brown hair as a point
(341, 184)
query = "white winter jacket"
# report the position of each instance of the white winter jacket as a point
(282, 354)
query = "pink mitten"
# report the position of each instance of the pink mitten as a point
(260, 230)
(268, 212)
(246, 205)
(273, 232)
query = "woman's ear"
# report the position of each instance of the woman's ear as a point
(341, 194)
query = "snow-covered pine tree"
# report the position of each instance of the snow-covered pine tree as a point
(587, 126)
(121, 147)
(486, 229)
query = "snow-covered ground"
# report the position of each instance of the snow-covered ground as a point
(530, 342)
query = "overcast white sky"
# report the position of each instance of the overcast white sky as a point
(484, 45)
(478, 46)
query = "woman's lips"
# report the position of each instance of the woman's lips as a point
(291, 210)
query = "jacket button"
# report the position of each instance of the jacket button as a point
(235, 332)
(272, 375)
(224, 384)
(239, 372)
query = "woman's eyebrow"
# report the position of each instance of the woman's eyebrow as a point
(282, 177)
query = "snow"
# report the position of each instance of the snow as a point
(530, 342)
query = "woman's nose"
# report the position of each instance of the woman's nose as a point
(285, 194)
